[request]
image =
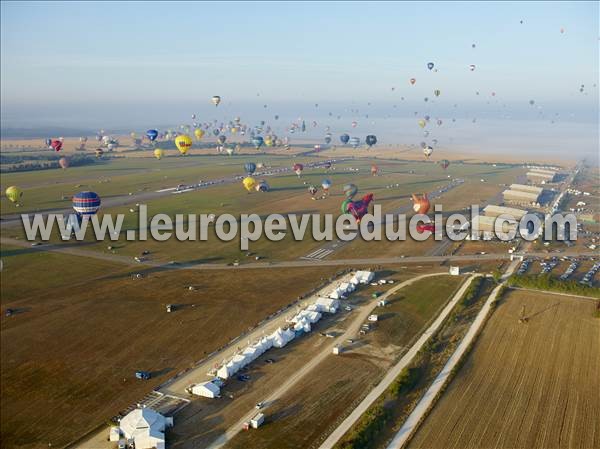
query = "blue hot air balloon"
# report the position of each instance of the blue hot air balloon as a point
(257, 141)
(344, 138)
(371, 140)
(152, 134)
(86, 203)
(250, 167)
(430, 65)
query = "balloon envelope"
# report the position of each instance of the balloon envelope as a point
(86, 203)
(183, 143)
(152, 134)
(421, 203)
(249, 183)
(13, 193)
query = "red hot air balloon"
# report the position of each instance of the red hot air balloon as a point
(360, 208)
(56, 145)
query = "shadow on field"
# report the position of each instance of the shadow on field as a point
(160, 372)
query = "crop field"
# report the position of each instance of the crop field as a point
(524, 385)
(78, 333)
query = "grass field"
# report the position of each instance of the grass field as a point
(83, 327)
(303, 416)
(532, 385)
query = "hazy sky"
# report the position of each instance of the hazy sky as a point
(78, 64)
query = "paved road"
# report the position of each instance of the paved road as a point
(415, 418)
(395, 370)
(351, 332)
(367, 262)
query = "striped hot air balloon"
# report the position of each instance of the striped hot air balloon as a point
(86, 203)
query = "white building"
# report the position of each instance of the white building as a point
(206, 390)
(145, 427)
(495, 211)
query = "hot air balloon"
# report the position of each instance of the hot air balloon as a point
(326, 184)
(56, 145)
(359, 208)
(14, 194)
(249, 183)
(421, 203)
(354, 124)
(439, 122)
(374, 169)
(437, 92)
(354, 142)
(158, 153)
(99, 152)
(430, 65)
(63, 162)
(427, 151)
(230, 150)
(350, 190)
(250, 167)
(257, 141)
(48, 143)
(344, 138)
(183, 143)
(531, 102)
(86, 203)
(312, 190)
(422, 123)
(152, 134)
(198, 133)
(413, 81)
(216, 100)
(472, 67)
(262, 186)
(222, 138)
(444, 163)
(327, 140)
(371, 140)
(298, 169)
(317, 147)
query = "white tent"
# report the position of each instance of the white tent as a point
(241, 360)
(327, 305)
(364, 277)
(251, 353)
(280, 337)
(206, 389)
(145, 427)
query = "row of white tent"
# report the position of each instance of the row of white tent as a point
(301, 322)
(345, 288)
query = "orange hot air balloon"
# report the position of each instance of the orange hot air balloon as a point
(421, 203)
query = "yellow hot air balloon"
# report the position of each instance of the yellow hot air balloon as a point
(159, 153)
(234, 130)
(422, 123)
(13, 193)
(183, 143)
(249, 183)
(198, 133)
